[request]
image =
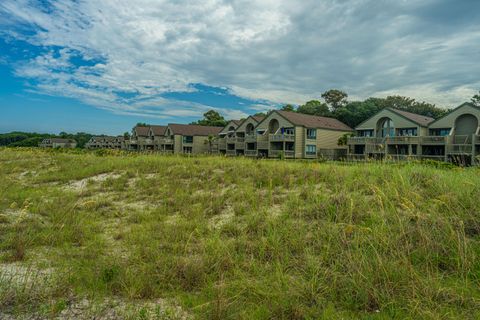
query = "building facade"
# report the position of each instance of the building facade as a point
(401, 135)
(284, 134)
(105, 142)
(58, 143)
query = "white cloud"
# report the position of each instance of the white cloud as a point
(275, 50)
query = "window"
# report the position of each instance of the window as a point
(440, 132)
(311, 149)
(365, 133)
(187, 139)
(290, 131)
(407, 132)
(187, 150)
(312, 134)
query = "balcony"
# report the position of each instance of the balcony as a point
(282, 137)
(165, 141)
(403, 140)
(365, 140)
(310, 155)
(433, 140)
(251, 138)
(277, 153)
(231, 140)
(222, 144)
(251, 153)
(231, 152)
(240, 144)
(476, 139)
(460, 149)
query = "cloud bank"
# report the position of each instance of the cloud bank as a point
(126, 56)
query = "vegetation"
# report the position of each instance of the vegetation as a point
(476, 99)
(27, 139)
(353, 113)
(231, 238)
(212, 118)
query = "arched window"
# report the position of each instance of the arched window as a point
(273, 126)
(386, 128)
(249, 129)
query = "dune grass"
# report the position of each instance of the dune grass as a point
(221, 238)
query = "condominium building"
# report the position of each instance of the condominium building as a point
(58, 143)
(285, 134)
(174, 138)
(105, 142)
(398, 134)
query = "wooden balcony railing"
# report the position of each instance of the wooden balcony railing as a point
(403, 140)
(286, 153)
(251, 153)
(282, 137)
(433, 140)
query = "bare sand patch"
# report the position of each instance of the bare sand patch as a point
(80, 185)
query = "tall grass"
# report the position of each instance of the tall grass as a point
(239, 238)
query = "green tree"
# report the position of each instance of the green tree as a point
(126, 135)
(212, 118)
(142, 124)
(476, 99)
(288, 107)
(342, 141)
(314, 107)
(210, 140)
(335, 98)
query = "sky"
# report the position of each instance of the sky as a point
(103, 66)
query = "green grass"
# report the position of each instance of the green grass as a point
(223, 238)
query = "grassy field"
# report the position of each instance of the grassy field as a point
(166, 237)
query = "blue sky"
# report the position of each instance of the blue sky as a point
(102, 66)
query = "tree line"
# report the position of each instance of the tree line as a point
(335, 104)
(32, 139)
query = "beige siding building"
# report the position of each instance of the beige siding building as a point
(105, 142)
(192, 139)
(401, 135)
(58, 143)
(140, 139)
(225, 143)
(291, 135)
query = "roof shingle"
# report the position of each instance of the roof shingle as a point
(309, 121)
(417, 118)
(194, 130)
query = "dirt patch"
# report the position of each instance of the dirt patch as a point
(17, 275)
(111, 309)
(80, 185)
(222, 219)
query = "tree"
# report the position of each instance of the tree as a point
(476, 99)
(210, 140)
(356, 112)
(288, 107)
(126, 135)
(410, 105)
(335, 98)
(142, 124)
(212, 118)
(260, 114)
(314, 107)
(342, 141)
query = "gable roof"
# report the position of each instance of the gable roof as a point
(465, 104)
(419, 119)
(141, 131)
(235, 123)
(257, 118)
(193, 130)
(309, 121)
(158, 130)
